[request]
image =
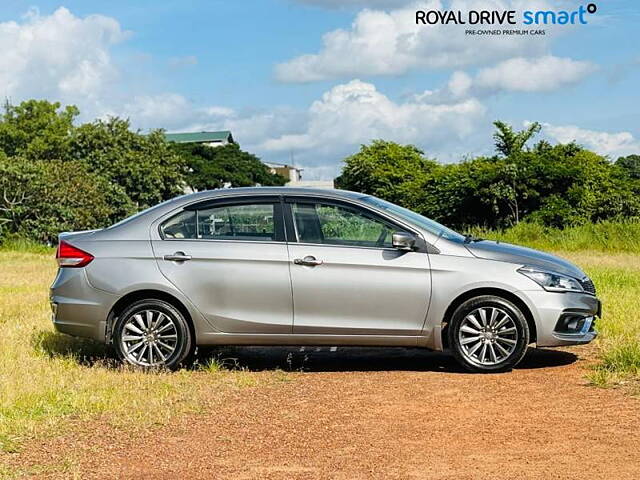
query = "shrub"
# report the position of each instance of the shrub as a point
(39, 199)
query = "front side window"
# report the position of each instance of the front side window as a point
(414, 218)
(337, 225)
(225, 222)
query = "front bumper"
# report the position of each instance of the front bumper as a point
(563, 318)
(584, 334)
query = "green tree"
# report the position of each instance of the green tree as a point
(509, 142)
(631, 164)
(213, 167)
(581, 188)
(36, 129)
(145, 166)
(388, 170)
(558, 185)
(39, 199)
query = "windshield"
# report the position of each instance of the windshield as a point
(415, 219)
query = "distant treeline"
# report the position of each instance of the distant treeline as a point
(58, 176)
(552, 185)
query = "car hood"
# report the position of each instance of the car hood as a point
(506, 252)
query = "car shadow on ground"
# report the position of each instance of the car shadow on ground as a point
(360, 359)
(84, 351)
(291, 358)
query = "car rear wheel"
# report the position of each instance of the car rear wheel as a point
(488, 334)
(152, 334)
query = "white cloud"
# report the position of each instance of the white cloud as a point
(540, 74)
(459, 84)
(390, 43)
(219, 111)
(154, 111)
(605, 143)
(59, 56)
(356, 112)
(182, 62)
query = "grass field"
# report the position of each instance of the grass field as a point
(601, 237)
(47, 380)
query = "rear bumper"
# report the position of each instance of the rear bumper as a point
(96, 332)
(77, 308)
(563, 318)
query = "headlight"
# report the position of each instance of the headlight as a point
(551, 281)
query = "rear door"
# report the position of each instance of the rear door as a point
(230, 259)
(347, 279)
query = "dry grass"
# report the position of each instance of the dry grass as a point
(47, 379)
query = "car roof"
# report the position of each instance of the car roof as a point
(280, 191)
(247, 191)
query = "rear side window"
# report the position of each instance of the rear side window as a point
(337, 225)
(255, 222)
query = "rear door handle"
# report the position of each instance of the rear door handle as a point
(178, 257)
(308, 261)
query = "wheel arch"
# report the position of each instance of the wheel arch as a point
(146, 294)
(498, 292)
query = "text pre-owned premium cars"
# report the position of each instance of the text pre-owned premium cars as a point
(287, 266)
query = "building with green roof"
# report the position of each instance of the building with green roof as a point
(212, 139)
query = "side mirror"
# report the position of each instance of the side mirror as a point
(403, 241)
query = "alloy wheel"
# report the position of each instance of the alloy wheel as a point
(149, 338)
(488, 335)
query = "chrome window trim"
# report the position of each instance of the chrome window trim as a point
(226, 199)
(252, 242)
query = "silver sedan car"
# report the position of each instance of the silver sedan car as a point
(292, 266)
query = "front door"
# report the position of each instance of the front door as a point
(230, 259)
(347, 279)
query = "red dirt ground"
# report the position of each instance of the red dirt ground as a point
(378, 414)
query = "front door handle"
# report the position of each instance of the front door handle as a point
(178, 257)
(308, 261)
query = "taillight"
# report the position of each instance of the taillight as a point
(69, 256)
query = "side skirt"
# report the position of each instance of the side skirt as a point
(308, 339)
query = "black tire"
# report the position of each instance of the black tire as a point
(174, 325)
(512, 337)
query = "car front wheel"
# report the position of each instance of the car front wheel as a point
(153, 334)
(488, 334)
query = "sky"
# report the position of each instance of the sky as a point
(308, 81)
